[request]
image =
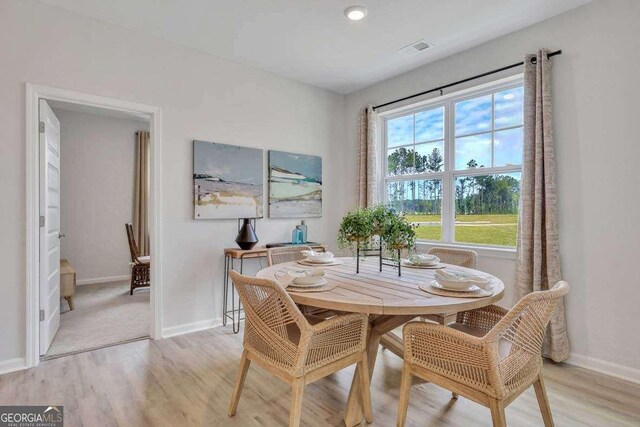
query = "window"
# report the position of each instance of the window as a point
(453, 167)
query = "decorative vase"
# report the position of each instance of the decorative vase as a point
(296, 236)
(303, 227)
(246, 238)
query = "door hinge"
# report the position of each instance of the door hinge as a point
(41, 127)
(41, 315)
(41, 220)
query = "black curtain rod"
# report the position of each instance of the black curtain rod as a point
(488, 73)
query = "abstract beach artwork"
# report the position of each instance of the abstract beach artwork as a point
(228, 181)
(295, 185)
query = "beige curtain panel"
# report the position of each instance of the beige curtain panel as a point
(538, 263)
(141, 193)
(367, 159)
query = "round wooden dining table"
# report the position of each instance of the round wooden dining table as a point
(389, 299)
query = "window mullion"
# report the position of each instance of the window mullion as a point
(415, 177)
(493, 164)
(414, 143)
(447, 180)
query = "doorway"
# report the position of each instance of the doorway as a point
(94, 199)
(44, 234)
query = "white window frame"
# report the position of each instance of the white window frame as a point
(449, 175)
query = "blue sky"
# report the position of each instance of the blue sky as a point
(429, 126)
(309, 166)
(471, 116)
(229, 162)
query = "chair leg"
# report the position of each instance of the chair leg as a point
(365, 386)
(497, 413)
(454, 395)
(405, 387)
(297, 391)
(237, 391)
(132, 282)
(543, 402)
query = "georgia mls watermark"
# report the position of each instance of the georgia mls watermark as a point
(31, 416)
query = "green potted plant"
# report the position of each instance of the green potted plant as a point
(380, 216)
(398, 233)
(356, 227)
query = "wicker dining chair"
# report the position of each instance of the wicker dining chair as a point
(490, 355)
(281, 340)
(461, 257)
(285, 254)
(140, 265)
(294, 253)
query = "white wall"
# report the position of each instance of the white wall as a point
(596, 110)
(201, 97)
(97, 179)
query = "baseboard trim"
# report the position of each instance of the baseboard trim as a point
(12, 365)
(602, 366)
(102, 280)
(187, 328)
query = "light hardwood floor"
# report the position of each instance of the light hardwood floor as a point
(188, 380)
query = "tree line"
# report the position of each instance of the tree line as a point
(475, 195)
(421, 196)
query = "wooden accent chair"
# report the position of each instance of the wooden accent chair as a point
(462, 257)
(281, 340)
(490, 355)
(140, 265)
(285, 254)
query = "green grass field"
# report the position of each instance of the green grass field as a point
(482, 229)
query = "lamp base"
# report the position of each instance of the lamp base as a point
(246, 238)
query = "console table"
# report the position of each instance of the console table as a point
(230, 256)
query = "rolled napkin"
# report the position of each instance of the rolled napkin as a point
(290, 276)
(449, 275)
(314, 256)
(423, 259)
(285, 279)
(462, 278)
(314, 272)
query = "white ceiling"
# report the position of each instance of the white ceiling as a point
(311, 40)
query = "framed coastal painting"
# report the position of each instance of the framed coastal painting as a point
(295, 185)
(228, 181)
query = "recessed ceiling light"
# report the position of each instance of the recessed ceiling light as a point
(355, 13)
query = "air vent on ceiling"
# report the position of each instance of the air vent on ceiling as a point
(417, 47)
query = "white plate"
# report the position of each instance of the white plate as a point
(410, 264)
(472, 288)
(315, 285)
(333, 262)
(319, 261)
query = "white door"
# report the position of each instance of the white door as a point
(49, 226)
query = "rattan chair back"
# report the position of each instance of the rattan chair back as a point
(524, 327)
(273, 323)
(285, 254)
(462, 257)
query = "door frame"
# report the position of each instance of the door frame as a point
(33, 94)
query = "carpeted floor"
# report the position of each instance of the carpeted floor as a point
(105, 315)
